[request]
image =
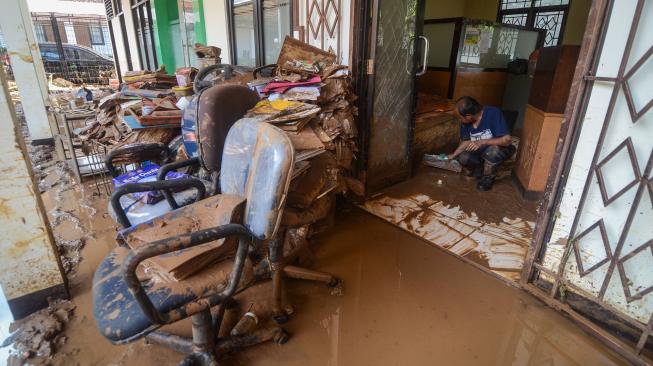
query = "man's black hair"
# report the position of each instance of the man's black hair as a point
(468, 106)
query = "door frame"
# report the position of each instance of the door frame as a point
(597, 23)
(364, 70)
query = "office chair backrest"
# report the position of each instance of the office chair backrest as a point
(209, 117)
(256, 164)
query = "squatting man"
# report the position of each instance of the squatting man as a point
(485, 140)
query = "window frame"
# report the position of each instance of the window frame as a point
(141, 8)
(531, 13)
(100, 31)
(259, 40)
(41, 27)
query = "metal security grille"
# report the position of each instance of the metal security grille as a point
(73, 47)
(597, 262)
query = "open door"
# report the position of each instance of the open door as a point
(392, 68)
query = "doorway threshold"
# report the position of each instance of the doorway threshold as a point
(491, 230)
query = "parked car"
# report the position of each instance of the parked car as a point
(84, 65)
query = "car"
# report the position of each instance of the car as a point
(84, 65)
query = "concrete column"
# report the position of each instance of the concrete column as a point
(31, 269)
(22, 47)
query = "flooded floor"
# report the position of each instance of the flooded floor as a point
(404, 303)
(489, 229)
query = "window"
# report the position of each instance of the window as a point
(96, 34)
(142, 15)
(258, 28)
(549, 15)
(69, 28)
(41, 34)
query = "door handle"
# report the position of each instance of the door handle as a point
(426, 55)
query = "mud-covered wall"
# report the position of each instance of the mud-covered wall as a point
(27, 257)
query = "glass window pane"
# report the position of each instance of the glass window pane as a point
(551, 21)
(515, 4)
(190, 18)
(276, 26)
(514, 19)
(551, 2)
(244, 33)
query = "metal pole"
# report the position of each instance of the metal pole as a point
(57, 39)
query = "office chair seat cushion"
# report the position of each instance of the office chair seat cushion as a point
(118, 316)
(139, 212)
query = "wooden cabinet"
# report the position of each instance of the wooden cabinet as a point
(543, 118)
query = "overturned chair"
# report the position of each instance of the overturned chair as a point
(207, 121)
(256, 171)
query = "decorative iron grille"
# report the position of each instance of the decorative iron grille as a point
(323, 23)
(599, 248)
(549, 15)
(551, 21)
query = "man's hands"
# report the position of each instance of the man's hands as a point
(474, 145)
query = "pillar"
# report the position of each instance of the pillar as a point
(22, 47)
(31, 269)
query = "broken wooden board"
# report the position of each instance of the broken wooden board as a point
(209, 213)
(295, 50)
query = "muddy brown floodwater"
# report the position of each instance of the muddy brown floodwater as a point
(404, 303)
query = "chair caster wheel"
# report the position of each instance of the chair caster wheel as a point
(335, 282)
(280, 318)
(281, 337)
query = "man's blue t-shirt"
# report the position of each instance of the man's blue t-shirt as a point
(492, 125)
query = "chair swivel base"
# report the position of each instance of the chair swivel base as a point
(279, 315)
(203, 349)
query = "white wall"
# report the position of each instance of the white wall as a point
(66, 7)
(217, 29)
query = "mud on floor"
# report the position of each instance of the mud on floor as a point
(490, 229)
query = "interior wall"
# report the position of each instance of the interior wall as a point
(482, 9)
(576, 22)
(487, 10)
(217, 30)
(436, 9)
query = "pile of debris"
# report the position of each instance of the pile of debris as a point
(109, 129)
(146, 79)
(311, 98)
(37, 337)
(107, 126)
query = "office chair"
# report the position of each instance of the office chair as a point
(207, 121)
(256, 170)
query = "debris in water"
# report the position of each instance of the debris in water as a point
(37, 337)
